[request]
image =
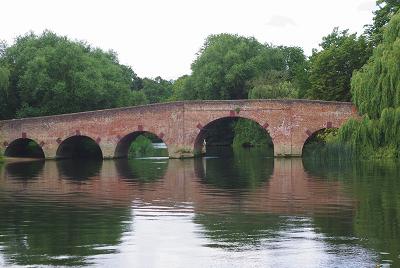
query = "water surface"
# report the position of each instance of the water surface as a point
(238, 209)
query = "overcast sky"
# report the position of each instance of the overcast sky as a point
(161, 37)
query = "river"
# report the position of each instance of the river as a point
(241, 209)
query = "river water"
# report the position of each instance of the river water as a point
(239, 209)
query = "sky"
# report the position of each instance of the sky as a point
(162, 37)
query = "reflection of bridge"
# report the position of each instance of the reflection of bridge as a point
(286, 188)
(180, 125)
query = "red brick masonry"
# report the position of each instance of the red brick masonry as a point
(289, 122)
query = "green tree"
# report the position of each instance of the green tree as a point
(178, 88)
(273, 85)
(4, 96)
(377, 85)
(157, 90)
(296, 67)
(386, 9)
(331, 68)
(51, 74)
(226, 63)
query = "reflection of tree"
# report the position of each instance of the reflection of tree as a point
(45, 233)
(142, 170)
(376, 186)
(79, 169)
(238, 168)
(238, 230)
(24, 170)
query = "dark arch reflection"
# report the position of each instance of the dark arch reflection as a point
(235, 168)
(24, 170)
(79, 169)
(142, 170)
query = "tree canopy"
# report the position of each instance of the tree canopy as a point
(377, 85)
(229, 66)
(386, 9)
(50, 74)
(331, 69)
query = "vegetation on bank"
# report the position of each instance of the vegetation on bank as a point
(39, 74)
(376, 93)
(143, 146)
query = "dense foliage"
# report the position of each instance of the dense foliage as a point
(49, 74)
(377, 85)
(386, 9)
(331, 68)
(229, 66)
(376, 93)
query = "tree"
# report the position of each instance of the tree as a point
(51, 74)
(332, 67)
(224, 65)
(157, 90)
(273, 85)
(386, 9)
(377, 85)
(4, 96)
(178, 88)
(296, 67)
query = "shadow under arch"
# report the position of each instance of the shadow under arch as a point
(79, 147)
(24, 147)
(316, 141)
(220, 132)
(122, 149)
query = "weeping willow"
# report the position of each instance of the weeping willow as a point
(377, 85)
(376, 93)
(367, 138)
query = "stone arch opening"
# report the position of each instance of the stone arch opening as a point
(317, 140)
(24, 147)
(233, 132)
(76, 147)
(141, 144)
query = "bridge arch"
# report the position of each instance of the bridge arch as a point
(79, 146)
(123, 145)
(24, 147)
(313, 139)
(204, 133)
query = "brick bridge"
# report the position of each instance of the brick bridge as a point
(181, 125)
